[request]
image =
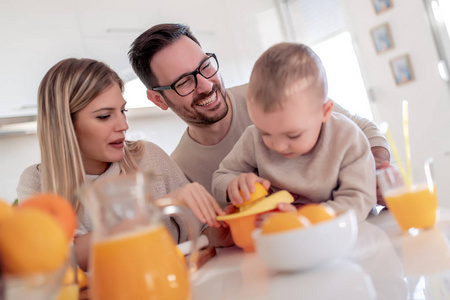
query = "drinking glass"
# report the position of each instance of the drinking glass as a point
(69, 288)
(413, 205)
(133, 255)
(39, 286)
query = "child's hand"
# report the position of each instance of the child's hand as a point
(244, 183)
(281, 207)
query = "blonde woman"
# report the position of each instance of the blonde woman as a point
(81, 130)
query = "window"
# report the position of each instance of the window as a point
(321, 25)
(439, 17)
(345, 82)
(136, 94)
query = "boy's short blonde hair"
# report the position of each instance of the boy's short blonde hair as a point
(282, 69)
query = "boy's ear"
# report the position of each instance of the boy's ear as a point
(157, 99)
(327, 108)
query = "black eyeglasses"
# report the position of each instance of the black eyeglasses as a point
(188, 83)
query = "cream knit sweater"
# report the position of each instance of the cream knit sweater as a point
(340, 170)
(154, 159)
(199, 162)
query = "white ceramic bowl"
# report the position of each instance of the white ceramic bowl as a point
(305, 248)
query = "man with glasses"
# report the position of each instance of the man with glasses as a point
(179, 75)
(187, 83)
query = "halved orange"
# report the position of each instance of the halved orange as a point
(283, 221)
(260, 192)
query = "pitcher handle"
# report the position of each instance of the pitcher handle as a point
(171, 207)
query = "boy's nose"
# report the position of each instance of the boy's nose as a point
(279, 146)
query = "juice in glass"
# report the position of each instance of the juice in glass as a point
(415, 208)
(142, 264)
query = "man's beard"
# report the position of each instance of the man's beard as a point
(199, 118)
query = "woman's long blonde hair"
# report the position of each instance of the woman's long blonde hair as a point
(67, 88)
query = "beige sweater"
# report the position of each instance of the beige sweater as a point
(340, 170)
(154, 159)
(199, 162)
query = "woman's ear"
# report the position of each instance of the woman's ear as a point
(157, 99)
(327, 108)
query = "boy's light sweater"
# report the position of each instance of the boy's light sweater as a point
(199, 162)
(340, 170)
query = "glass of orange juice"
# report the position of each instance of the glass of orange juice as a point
(133, 255)
(413, 205)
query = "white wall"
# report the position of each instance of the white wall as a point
(16, 153)
(21, 151)
(428, 95)
(37, 34)
(238, 41)
(237, 31)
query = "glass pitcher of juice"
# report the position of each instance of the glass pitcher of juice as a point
(133, 255)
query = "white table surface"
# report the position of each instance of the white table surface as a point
(384, 264)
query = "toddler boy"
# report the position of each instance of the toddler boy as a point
(297, 143)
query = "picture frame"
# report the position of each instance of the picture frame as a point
(382, 38)
(381, 5)
(402, 69)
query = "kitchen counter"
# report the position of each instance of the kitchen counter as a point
(384, 264)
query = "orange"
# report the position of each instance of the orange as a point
(83, 280)
(283, 221)
(316, 213)
(31, 241)
(260, 192)
(69, 276)
(6, 210)
(81, 277)
(58, 207)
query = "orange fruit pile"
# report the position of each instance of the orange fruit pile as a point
(58, 207)
(307, 215)
(35, 236)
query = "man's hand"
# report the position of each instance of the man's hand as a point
(381, 156)
(202, 203)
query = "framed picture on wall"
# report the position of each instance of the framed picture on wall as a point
(381, 5)
(382, 38)
(401, 69)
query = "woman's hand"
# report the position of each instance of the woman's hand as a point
(244, 183)
(201, 203)
(219, 237)
(82, 249)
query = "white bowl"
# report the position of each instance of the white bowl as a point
(308, 247)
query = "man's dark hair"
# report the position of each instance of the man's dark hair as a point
(151, 42)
